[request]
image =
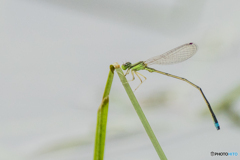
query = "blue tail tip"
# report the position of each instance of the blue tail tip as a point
(217, 126)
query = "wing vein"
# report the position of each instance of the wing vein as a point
(175, 55)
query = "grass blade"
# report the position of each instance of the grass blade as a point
(102, 119)
(140, 112)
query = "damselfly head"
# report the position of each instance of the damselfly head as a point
(126, 65)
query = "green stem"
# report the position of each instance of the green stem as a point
(102, 119)
(140, 112)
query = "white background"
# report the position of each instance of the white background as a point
(54, 63)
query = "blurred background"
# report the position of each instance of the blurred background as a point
(55, 57)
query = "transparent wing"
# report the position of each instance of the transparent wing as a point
(175, 55)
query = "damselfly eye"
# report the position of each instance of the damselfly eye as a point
(126, 65)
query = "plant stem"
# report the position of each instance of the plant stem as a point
(140, 113)
(102, 119)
